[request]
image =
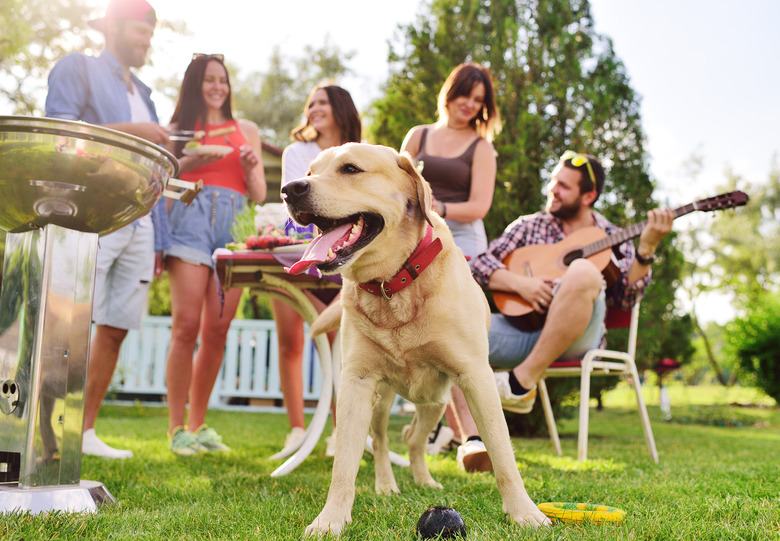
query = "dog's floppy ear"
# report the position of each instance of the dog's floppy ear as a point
(424, 196)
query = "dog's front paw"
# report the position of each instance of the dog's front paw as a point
(387, 488)
(423, 478)
(327, 523)
(526, 513)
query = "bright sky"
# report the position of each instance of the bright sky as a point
(705, 70)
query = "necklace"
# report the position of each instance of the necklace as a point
(466, 127)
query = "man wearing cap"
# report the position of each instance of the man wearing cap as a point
(102, 90)
(575, 305)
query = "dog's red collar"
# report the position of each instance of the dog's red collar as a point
(422, 256)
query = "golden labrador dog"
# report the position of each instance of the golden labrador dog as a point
(413, 321)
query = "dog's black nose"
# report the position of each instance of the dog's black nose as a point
(295, 190)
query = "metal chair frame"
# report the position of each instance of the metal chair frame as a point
(599, 362)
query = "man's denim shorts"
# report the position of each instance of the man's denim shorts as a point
(509, 346)
(204, 226)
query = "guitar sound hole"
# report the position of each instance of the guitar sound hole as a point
(571, 256)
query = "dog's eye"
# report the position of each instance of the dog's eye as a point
(349, 169)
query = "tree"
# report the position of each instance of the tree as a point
(735, 253)
(746, 247)
(756, 340)
(559, 85)
(37, 34)
(275, 99)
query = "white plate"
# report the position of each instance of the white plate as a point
(208, 149)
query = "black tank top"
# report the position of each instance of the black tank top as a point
(450, 178)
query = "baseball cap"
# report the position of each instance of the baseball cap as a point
(135, 10)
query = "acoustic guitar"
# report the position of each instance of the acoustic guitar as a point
(592, 243)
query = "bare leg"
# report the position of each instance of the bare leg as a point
(189, 284)
(568, 317)
(452, 420)
(290, 338)
(208, 359)
(103, 356)
(462, 418)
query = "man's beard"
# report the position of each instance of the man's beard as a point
(128, 55)
(567, 212)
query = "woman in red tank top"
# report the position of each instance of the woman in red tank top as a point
(228, 160)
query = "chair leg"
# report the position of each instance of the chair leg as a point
(582, 439)
(645, 419)
(549, 417)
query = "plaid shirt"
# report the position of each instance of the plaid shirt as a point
(544, 228)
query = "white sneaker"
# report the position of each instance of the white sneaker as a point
(439, 439)
(92, 445)
(511, 402)
(291, 442)
(473, 457)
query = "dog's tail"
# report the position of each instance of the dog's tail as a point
(328, 320)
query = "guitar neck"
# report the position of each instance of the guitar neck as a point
(628, 233)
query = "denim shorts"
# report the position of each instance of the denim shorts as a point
(470, 237)
(123, 271)
(204, 226)
(509, 346)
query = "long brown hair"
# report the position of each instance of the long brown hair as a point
(460, 82)
(345, 115)
(191, 107)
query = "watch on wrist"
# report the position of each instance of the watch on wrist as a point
(646, 260)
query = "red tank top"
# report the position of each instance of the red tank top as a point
(227, 171)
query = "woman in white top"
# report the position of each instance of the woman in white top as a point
(330, 119)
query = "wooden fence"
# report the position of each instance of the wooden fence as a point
(249, 374)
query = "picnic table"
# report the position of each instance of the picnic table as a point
(262, 272)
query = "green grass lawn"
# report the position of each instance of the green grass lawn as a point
(712, 482)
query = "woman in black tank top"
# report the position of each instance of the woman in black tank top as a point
(458, 159)
(459, 162)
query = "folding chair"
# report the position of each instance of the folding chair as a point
(599, 362)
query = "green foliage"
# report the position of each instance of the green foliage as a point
(558, 84)
(160, 296)
(275, 99)
(253, 307)
(756, 339)
(244, 224)
(746, 242)
(721, 416)
(36, 34)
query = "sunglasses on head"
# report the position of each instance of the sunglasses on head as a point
(220, 57)
(577, 160)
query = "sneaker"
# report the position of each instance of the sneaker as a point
(94, 446)
(440, 439)
(511, 402)
(210, 440)
(292, 441)
(185, 443)
(473, 457)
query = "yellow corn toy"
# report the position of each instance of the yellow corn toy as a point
(581, 512)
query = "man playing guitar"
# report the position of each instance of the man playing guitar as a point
(574, 303)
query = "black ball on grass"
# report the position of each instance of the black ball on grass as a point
(443, 521)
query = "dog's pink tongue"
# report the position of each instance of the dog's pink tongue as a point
(318, 249)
